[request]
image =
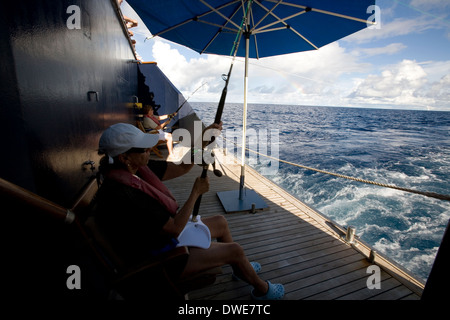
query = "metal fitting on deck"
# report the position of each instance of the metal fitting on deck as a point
(350, 235)
(372, 256)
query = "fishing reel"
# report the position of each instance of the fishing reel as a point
(217, 172)
(205, 165)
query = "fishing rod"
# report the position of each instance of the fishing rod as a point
(219, 111)
(184, 102)
(216, 121)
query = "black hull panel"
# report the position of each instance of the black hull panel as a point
(60, 88)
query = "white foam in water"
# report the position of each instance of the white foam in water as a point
(410, 149)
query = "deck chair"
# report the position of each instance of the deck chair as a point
(156, 278)
(155, 149)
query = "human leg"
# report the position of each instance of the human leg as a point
(219, 229)
(228, 252)
(219, 254)
(169, 143)
(165, 136)
(218, 226)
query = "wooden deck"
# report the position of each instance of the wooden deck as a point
(295, 245)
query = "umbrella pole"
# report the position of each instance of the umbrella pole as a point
(244, 118)
(242, 200)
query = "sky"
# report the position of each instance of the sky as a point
(402, 63)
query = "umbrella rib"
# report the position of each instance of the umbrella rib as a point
(221, 29)
(220, 13)
(254, 36)
(280, 20)
(301, 36)
(340, 15)
(285, 24)
(172, 28)
(320, 11)
(193, 19)
(267, 13)
(218, 25)
(270, 30)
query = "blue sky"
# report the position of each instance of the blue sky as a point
(404, 63)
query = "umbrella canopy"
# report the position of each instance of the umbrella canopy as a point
(275, 26)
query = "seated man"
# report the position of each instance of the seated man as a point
(152, 122)
(141, 217)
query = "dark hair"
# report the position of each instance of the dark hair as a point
(146, 108)
(105, 166)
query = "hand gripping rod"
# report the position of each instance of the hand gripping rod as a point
(217, 121)
(220, 109)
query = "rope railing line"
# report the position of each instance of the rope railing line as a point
(424, 193)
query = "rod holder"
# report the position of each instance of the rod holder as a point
(372, 256)
(350, 235)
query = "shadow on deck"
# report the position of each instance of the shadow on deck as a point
(295, 245)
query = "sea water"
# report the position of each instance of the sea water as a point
(409, 149)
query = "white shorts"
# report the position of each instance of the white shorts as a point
(163, 135)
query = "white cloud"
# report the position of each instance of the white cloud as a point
(311, 78)
(406, 83)
(394, 28)
(430, 4)
(327, 63)
(305, 77)
(340, 74)
(390, 49)
(440, 90)
(397, 81)
(188, 75)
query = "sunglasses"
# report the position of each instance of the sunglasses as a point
(137, 150)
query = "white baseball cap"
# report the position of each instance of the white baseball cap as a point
(121, 137)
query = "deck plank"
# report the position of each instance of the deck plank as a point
(295, 245)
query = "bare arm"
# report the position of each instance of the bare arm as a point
(175, 171)
(163, 117)
(175, 225)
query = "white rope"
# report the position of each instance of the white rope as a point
(428, 194)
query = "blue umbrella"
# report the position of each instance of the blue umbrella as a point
(270, 27)
(275, 27)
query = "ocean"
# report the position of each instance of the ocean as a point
(405, 148)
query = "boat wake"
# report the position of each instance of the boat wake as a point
(410, 149)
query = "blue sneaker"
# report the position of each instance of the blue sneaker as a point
(275, 292)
